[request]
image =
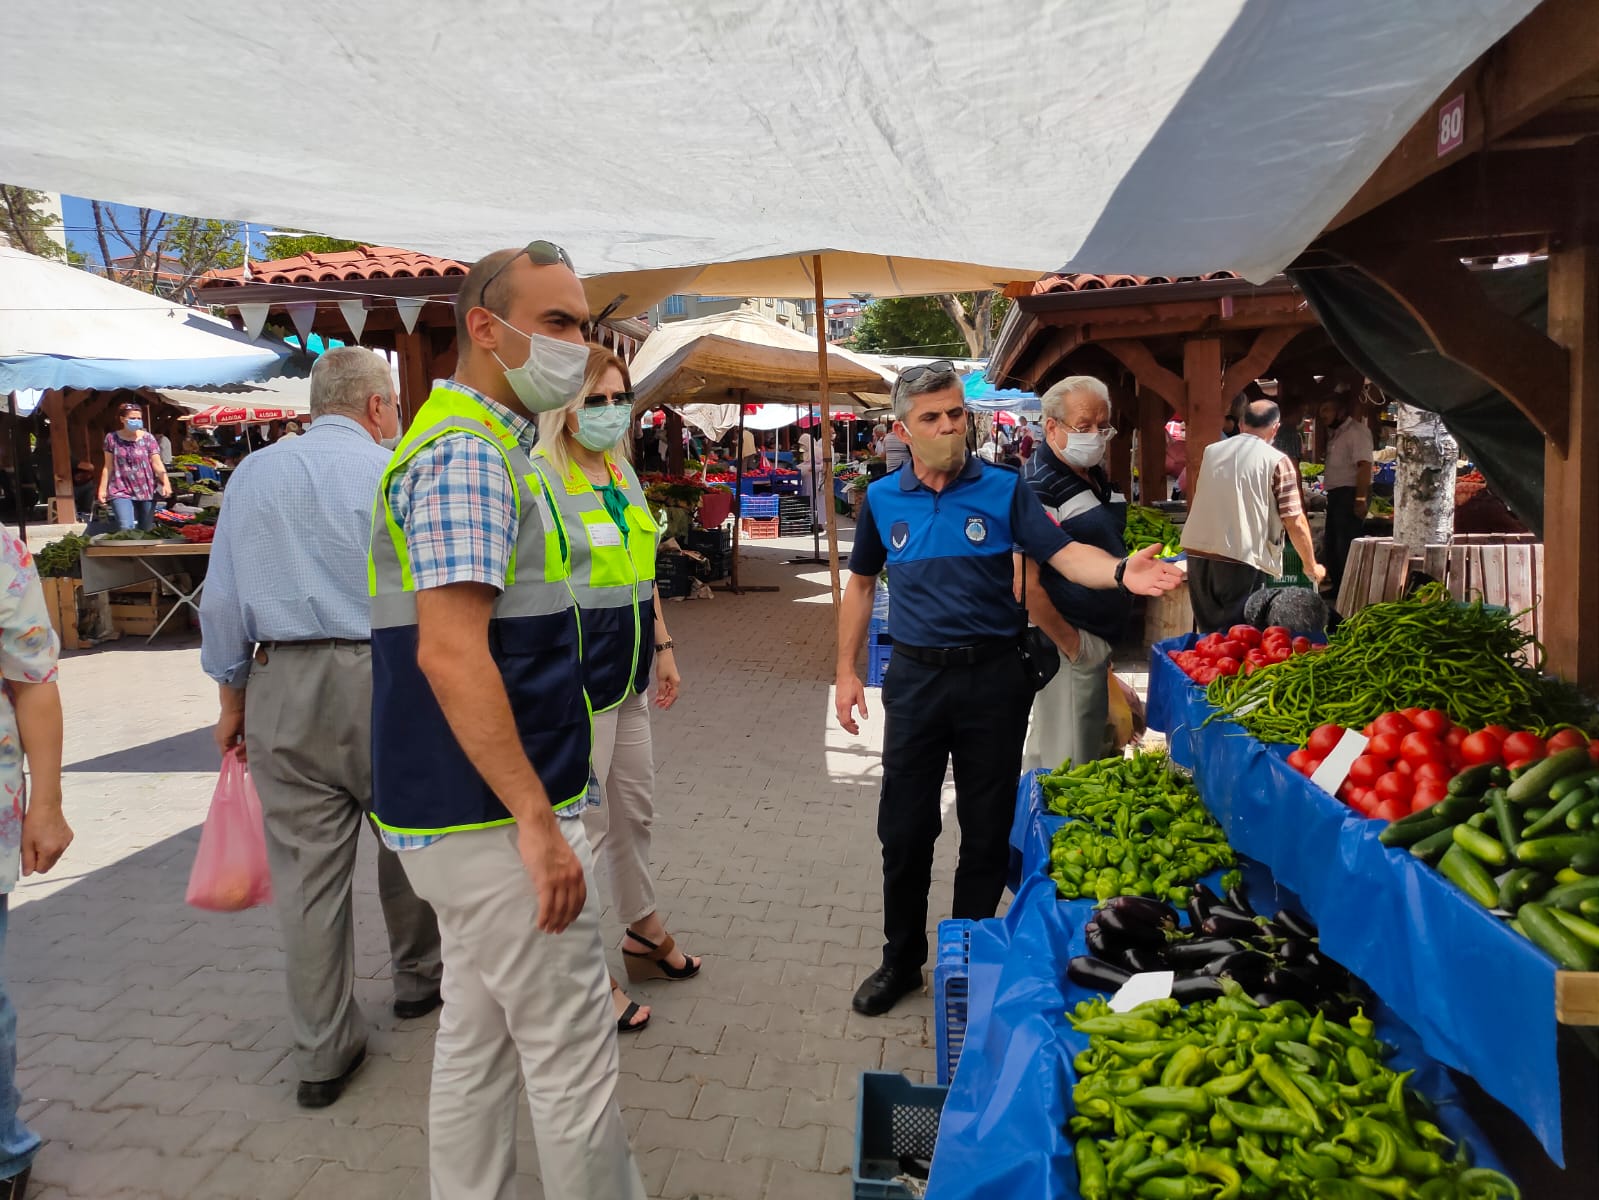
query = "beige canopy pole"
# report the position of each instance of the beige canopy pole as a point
(827, 432)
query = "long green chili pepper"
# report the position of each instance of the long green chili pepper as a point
(1092, 1182)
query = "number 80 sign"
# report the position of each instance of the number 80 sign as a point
(1451, 125)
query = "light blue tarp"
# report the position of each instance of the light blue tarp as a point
(983, 395)
(1481, 996)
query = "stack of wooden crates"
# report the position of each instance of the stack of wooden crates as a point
(1503, 569)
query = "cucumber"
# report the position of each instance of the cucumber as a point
(1586, 863)
(1565, 785)
(1505, 822)
(1432, 847)
(1458, 808)
(1540, 777)
(1589, 909)
(1585, 932)
(1407, 831)
(1473, 781)
(1568, 875)
(1555, 818)
(1482, 820)
(1553, 853)
(1581, 817)
(1569, 896)
(1521, 885)
(1555, 940)
(1482, 847)
(1469, 875)
(1534, 814)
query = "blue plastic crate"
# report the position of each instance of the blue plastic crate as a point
(894, 1118)
(757, 506)
(877, 656)
(949, 995)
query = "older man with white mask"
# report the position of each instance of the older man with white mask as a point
(1071, 716)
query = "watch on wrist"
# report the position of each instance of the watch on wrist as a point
(666, 645)
(1121, 569)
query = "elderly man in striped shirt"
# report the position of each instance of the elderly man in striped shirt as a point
(287, 634)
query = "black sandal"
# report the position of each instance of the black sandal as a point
(652, 963)
(625, 1022)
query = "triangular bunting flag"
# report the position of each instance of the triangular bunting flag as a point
(409, 311)
(255, 316)
(354, 316)
(303, 314)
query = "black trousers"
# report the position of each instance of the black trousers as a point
(1343, 527)
(976, 715)
(1217, 589)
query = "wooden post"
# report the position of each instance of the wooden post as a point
(674, 442)
(64, 507)
(1206, 407)
(1151, 447)
(1119, 454)
(1571, 477)
(827, 434)
(414, 381)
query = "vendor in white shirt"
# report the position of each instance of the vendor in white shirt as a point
(1346, 480)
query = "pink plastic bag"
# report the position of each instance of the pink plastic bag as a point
(230, 871)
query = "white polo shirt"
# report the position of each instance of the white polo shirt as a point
(1347, 447)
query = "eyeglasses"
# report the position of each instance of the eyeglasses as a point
(1105, 431)
(940, 367)
(540, 253)
(601, 400)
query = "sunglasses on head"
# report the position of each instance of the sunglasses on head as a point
(941, 366)
(601, 400)
(540, 253)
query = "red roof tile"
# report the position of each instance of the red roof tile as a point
(368, 262)
(1088, 283)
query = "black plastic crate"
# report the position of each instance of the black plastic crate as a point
(674, 575)
(708, 541)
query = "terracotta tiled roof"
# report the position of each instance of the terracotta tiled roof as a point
(1088, 283)
(369, 262)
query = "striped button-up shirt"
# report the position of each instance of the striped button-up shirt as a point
(289, 560)
(457, 507)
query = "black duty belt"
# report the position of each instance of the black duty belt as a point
(958, 656)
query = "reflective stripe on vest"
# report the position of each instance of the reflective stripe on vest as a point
(612, 578)
(422, 781)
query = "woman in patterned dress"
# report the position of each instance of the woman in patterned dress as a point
(33, 833)
(133, 474)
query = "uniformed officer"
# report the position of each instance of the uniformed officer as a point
(957, 685)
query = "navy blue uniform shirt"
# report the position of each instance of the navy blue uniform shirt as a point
(949, 553)
(1083, 509)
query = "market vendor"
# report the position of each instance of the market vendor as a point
(1071, 714)
(957, 684)
(1244, 502)
(1347, 481)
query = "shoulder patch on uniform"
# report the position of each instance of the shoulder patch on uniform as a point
(899, 534)
(976, 530)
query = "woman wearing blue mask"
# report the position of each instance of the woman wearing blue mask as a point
(133, 475)
(610, 539)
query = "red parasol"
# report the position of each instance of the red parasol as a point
(1005, 418)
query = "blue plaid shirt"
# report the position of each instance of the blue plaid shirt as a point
(458, 509)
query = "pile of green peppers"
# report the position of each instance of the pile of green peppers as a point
(1226, 1100)
(1137, 829)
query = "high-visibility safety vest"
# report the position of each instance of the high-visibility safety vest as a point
(422, 781)
(612, 578)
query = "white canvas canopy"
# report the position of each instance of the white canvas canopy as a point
(1141, 136)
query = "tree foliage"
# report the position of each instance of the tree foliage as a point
(164, 253)
(927, 326)
(25, 223)
(292, 245)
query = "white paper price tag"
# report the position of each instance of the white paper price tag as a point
(1145, 986)
(1334, 768)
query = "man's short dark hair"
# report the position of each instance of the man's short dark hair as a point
(497, 299)
(1261, 414)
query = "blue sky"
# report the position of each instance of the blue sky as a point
(78, 218)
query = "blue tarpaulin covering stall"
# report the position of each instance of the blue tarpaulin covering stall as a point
(1445, 964)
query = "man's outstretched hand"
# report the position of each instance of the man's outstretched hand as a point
(1146, 575)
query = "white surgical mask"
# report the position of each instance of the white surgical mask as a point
(598, 429)
(552, 377)
(1084, 449)
(389, 443)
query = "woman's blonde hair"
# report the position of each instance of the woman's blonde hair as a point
(554, 439)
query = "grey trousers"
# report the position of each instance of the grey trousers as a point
(308, 727)
(1071, 717)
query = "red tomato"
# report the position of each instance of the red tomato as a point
(1454, 737)
(1517, 764)
(1370, 730)
(1300, 645)
(1499, 731)
(1367, 769)
(1323, 739)
(1278, 654)
(1428, 794)
(1417, 748)
(1431, 720)
(1279, 631)
(1410, 714)
(1227, 665)
(1391, 810)
(1484, 746)
(1395, 723)
(1361, 798)
(1396, 787)
(1247, 634)
(1385, 746)
(1405, 768)
(1433, 772)
(1298, 759)
(1258, 657)
(1524, 746)
(1593, 750)
(1206, 676)
(1232, 649)
(1209, 645)
(1565, 740)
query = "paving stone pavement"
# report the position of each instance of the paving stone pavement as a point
(153, 1043)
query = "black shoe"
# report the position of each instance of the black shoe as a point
(410, 1010)
(323, 1092)
(14, 1187)
(883, 989)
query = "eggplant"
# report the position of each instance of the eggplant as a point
(1196, 987)
(1272, 931)
(1191, 955)
(1200, 901)
(1327, 974)
(1292, 985)
(1099, 942)
(1130, 927)
(1089, 972)
(1228, 924)
(1239, 900)
(1266, 999)
(1149, 910)
(1143, 958)
(1248, 967)
(1296, 925)
(1295, 950)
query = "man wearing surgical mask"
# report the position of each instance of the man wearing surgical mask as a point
(948, 527)
(1071, 715)
(286, 631)
(481, 738)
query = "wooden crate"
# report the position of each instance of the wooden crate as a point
(137, 609)
(1168, 615)
(61, 599)
(1500, 569)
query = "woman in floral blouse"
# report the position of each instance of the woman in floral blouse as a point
(133, 475)
(33, 833)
